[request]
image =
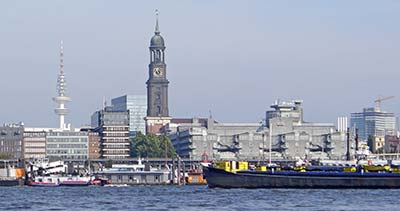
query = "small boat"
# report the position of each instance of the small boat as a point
(100, 181)
(74, 181)
(9, 181)
(45, 181)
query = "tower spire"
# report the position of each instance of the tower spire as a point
(62, 98)
(157, 30)
(61, 83)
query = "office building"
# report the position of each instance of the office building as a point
(137, 107)
(34, 143)
(67, 145)
(113, 128)
(11, 136)
(372, 122)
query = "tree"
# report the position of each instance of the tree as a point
(151, 146)
(164, 140)
(108, 164)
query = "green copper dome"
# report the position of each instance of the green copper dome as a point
(157, 41)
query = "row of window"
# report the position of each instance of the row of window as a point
(30, 144)
(37, 150)
(115, 146)
(110, 152)
(67, 140)
(10, 143)
(67, 146)
(66, 151)
(116, 134)
(34, 135)
(116, 128)
(115, 140)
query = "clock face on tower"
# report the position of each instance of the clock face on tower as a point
(157, 71)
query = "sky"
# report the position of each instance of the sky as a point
(233, 58)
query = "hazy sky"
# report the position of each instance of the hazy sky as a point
(231, 57)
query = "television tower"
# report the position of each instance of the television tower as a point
(62, 98)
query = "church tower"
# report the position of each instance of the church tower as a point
(157, 85)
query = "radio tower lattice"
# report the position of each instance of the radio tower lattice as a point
(62, 98)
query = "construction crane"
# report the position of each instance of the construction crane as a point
(379, 100)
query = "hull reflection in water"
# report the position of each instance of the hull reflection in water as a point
(291, 179)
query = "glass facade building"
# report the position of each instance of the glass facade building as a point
(373, 122)
(137, 107)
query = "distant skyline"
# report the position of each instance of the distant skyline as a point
(234, 58)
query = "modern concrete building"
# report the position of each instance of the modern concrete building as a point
(67, 145)
(137, 107)
(290, 137)
(113, 128)
(34, 143)
(11, 137)
(199, 137)
(373, 122)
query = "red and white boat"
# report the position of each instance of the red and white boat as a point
(45, 181)
(75, 181)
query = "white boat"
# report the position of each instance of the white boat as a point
(74, 180)
(45, 181)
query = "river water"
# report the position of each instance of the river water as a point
(193, 198)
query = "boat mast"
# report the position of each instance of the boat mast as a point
(270, 143)
(348, 145)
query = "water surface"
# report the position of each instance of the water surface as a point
(193, 198)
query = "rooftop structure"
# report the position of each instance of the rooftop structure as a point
(292, 110)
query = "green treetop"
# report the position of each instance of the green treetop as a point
(151, 146)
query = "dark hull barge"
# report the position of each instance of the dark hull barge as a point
(293, 179)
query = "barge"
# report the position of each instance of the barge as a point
(354, 177)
